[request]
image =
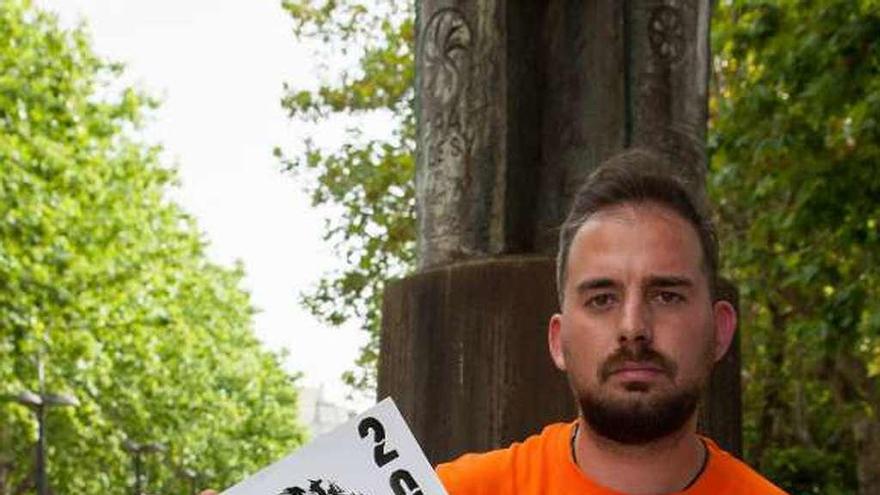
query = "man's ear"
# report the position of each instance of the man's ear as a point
(554, 341)
(725, 326)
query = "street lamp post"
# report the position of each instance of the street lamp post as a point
(40, 404)
(5, 468)
(137, 450)
(192, 477)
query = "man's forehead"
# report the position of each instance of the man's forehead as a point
(644, 232)
(631, 213)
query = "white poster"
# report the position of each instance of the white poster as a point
(373, 454)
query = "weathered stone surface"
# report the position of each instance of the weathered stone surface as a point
(464, 354)
(477, 119)
(461, 127)
(583, 103)
(668, 77)
(520, 101)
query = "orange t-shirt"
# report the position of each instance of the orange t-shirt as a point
(542, 465)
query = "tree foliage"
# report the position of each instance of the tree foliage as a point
(795, 135)
(106, 282)
(370, 180)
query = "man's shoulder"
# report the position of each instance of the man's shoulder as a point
(496, 471)
(726, 472)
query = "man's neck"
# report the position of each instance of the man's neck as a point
(665, 466)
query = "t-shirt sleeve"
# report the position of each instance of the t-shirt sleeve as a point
(526, 468)
(477, 474)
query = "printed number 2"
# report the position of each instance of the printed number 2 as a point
(402, 477)
(380, 456)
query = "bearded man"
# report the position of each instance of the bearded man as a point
(638, 333)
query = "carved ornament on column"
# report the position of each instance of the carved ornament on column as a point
(667, 79)
(666, 33)
(447, 138)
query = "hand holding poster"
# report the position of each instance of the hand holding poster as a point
(373, 454)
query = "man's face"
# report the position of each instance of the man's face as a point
(638, 333)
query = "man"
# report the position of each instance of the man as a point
(637, 336)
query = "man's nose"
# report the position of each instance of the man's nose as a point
(635, 321)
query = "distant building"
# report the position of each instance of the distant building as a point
(319, 415)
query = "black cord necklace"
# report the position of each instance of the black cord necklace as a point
(574, 432)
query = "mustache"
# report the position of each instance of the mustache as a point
(636, 354)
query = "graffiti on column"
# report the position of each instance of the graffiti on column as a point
(446, 52)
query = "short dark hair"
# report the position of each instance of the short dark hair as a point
(636, 176)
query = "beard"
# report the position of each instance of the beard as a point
(639, 420)
(640, 416)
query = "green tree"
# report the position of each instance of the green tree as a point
(794, 136)
(106, 282)
(370, 180)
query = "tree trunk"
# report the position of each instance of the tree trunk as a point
(854, 385)
(5, 467)
(867, 435)
(773, 410)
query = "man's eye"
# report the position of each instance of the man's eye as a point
(668, 297)
(600, 301)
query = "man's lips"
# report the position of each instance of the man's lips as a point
(639, 363)
(636, 371)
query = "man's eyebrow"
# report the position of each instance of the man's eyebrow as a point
(668, 281)
(594, 283)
